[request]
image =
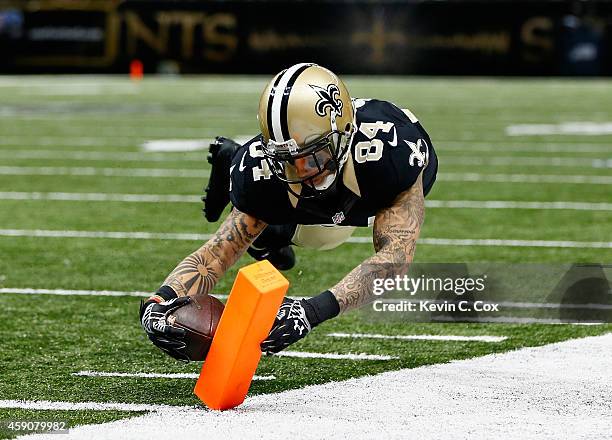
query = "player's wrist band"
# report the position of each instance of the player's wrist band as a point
(321, 308)
(164, 293)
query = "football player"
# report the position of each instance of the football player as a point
(322, 165)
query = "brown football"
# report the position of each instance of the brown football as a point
(200, 319)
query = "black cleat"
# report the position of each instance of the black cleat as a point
(216, 193)
(282, 258)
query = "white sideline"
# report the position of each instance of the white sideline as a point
(555, 391)
(87, 373)
(337, 356)
(420, 337)
(358, 240)
(179, 198)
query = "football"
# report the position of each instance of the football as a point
(200, 319)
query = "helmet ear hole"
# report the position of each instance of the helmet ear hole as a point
(347, 127)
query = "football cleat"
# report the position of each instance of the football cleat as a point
(282, 258)
(216, 193)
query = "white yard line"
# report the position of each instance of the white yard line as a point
(76, 292)
(100, 197)
(87, 373)
(43, 405)
(101, 155)
(178, 198)
(516, 243)
(555, 391)
(420, 337)
(510, 204)
(514, 320)
(177, 145)
(335, 356)
(194, 173)
(497, 146)
(505, 319)
(104, 234)
(80, 141)
(498, 242)
(492, 146)
(102, 172)
(515, 305)
(587, 128)
(358, 240)
(526, 178)
(81, 89)
(68, 292)
(532, 161)
(182, 150)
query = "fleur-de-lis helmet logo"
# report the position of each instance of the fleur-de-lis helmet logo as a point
(328, 98)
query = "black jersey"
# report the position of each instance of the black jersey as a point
(388, 152)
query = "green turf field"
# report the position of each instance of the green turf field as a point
(87, 126)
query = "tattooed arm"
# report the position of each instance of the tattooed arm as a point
(199, 272)
(396, 230)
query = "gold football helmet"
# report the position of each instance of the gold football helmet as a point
(307, 121)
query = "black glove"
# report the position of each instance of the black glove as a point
(153, 314)
(296, 318)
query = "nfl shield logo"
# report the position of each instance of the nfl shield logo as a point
(338, 218)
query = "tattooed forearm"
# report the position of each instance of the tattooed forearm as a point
(396, 230)
(200, 271)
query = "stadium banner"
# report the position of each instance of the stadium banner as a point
(491, 292)
(501, 37)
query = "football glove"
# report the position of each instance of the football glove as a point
(153, 318)
(290, 325)
(296, 318)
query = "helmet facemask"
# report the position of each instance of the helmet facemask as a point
(316, 166)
